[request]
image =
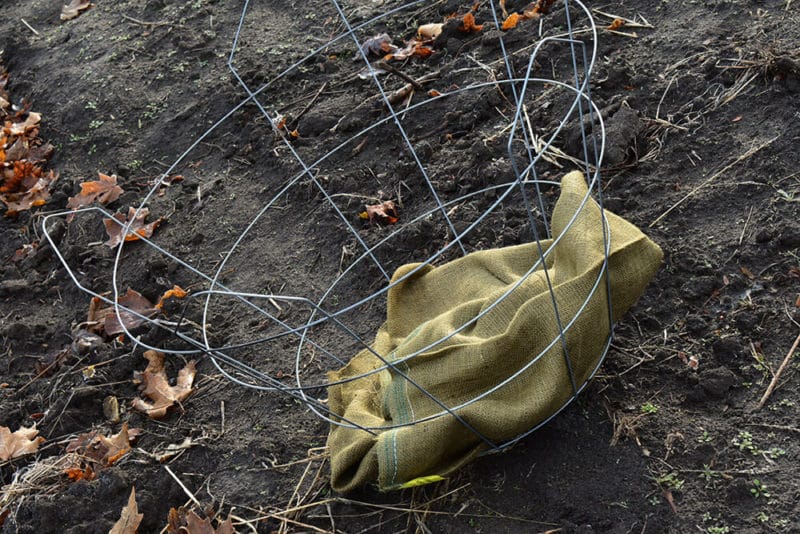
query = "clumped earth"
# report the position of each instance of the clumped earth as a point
(700, 103)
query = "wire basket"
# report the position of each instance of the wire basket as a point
(303, 275)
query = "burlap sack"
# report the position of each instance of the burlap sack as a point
(434, 302)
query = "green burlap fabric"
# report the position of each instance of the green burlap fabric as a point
(434, 302)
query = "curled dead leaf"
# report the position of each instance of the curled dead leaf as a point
(75, 8)
(76, 474)
(430, 31)
(616, 24)
(18, 443)
(511, 21)
(177, 292)
(378, 45)
(385, 212)
(138, 228)
(468, 24)
(155, 386)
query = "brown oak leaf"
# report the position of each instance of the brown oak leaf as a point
(74, 8)
(179, 521)
(137, 230)
(104, 190)
(104, 450)
(105, 319)
(19, 443)
(129, 518)
(155, 386)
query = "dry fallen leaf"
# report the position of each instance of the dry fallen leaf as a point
(414, 48)
(129, 518)
(104, 190)
(430, 31)
(155, 386)
(616, 24)
(27, 250)
(179, 521)
(385, 212)
(177, 292)
(104, 450)
(19, 443)
(542, 7)
(138, 228)
(76, 474)
(105, 318)
(24, 127)
(37, 195)
(511, 21)
(23, 183)
(376, 46)
(468, 24)
(74, 8)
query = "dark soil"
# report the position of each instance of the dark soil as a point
(653, 445)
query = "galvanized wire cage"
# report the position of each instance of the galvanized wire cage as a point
(328, 297)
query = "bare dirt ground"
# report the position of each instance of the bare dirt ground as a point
(703, 118)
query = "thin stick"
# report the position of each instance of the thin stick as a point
(222, 417)
(776, 427)
(29, 26)
(713, 177)
(774, 383)
(184, 488)
(308, 106)
(151, 24)
(747, 222)
(397, 72)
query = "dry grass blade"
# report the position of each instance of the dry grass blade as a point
(44, 477)
(713, 177)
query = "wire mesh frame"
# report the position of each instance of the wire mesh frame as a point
(525, 175)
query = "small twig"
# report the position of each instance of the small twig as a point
(31, 28)
(774, 382)
(776, 427)
(397, 72)
(631, 23)
(145, 23)
(713, 177)
(184, 488)
(308, 106)
(405, 91)
(746, 223)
